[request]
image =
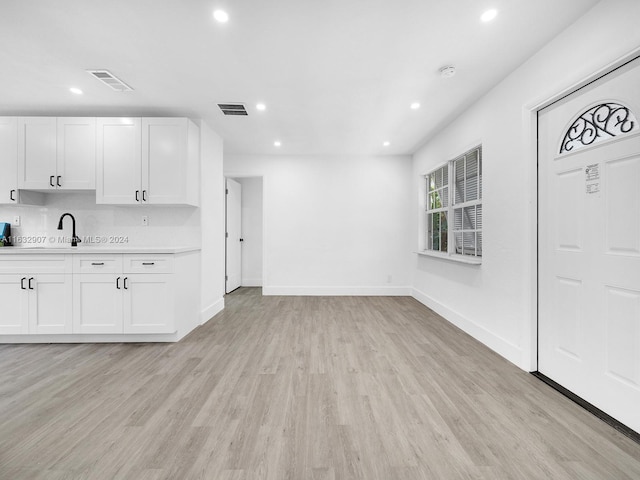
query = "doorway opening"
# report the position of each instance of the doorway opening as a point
(244, 233)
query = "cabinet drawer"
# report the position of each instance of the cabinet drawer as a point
(97, 264)
(31, 264)
(148, 264)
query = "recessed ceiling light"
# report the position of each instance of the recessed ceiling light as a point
(221, 16)
(261, 106)
(277, 143)
(489, 15)
(415, 106)
(75, 90)
(386, 144)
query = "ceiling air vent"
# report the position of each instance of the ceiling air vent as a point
(110, 80)
(233, 108)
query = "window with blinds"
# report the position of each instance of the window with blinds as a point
(454, 206)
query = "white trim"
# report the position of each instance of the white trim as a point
(94, 338)
(390, 291)
(211, 311)
(251, 282)
(504, 348)
(454, 257)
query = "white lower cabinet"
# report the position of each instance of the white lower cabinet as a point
(14, 319)
(133, 296)
(148, 303)
(97, 306)
(123, 301)
(35, 304)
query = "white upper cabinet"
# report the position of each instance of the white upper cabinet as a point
(56, 153)
(8, 160)
(148, 161)
(169, 158)
(118, 170)
(76, 159)
(37, 153)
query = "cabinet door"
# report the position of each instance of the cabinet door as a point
(37, 153)
(149, 304)
(119, 170)
(9, 160)
(97, 303)
(15, 304)
(50, 304)
(164, 160)
(76, 158)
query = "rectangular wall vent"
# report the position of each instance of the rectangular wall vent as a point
(110, 80)
(233, 109)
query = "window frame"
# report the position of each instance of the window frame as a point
(466, 228)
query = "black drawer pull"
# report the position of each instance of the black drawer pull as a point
(118, 283)
(30, 286)
(148, 263)
(97, 263)
(22, 287)
(11, 195)
(51, 181)
(58, 181)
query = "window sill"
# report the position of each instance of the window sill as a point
(452, 258)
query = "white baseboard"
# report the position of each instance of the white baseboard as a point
(502, 347)
(339, 291)
(251, 282)
(211, 311)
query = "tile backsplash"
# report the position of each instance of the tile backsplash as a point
(106, 224)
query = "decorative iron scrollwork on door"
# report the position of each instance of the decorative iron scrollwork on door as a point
(603, 121)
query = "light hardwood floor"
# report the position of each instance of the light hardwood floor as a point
(296, 388)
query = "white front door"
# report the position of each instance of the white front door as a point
(234, 241)
(589, 244)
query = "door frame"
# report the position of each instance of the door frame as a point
(233, 175)
(530, 134)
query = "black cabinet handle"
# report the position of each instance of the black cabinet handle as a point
(97, 263)
(148, 263)
(11, 197)
(30, 286)
(51, 181)
(22, 287)
(125, 283)
(58, 178)
(242, 239)
(144, 195)
(137, 195)
(118, 283)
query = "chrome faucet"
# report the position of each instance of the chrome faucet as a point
(74, 239)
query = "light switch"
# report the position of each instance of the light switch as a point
(16, 221)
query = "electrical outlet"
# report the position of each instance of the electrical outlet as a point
(145, 221)
(16, 221)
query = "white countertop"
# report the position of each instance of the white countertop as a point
(93, 250)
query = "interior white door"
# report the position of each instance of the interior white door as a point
(589, 244)
(234, 234)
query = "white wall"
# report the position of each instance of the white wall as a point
(496, 302)
(332, 224)
(251, 231)
(212, 222)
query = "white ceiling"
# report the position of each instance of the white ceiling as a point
(337, 76)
